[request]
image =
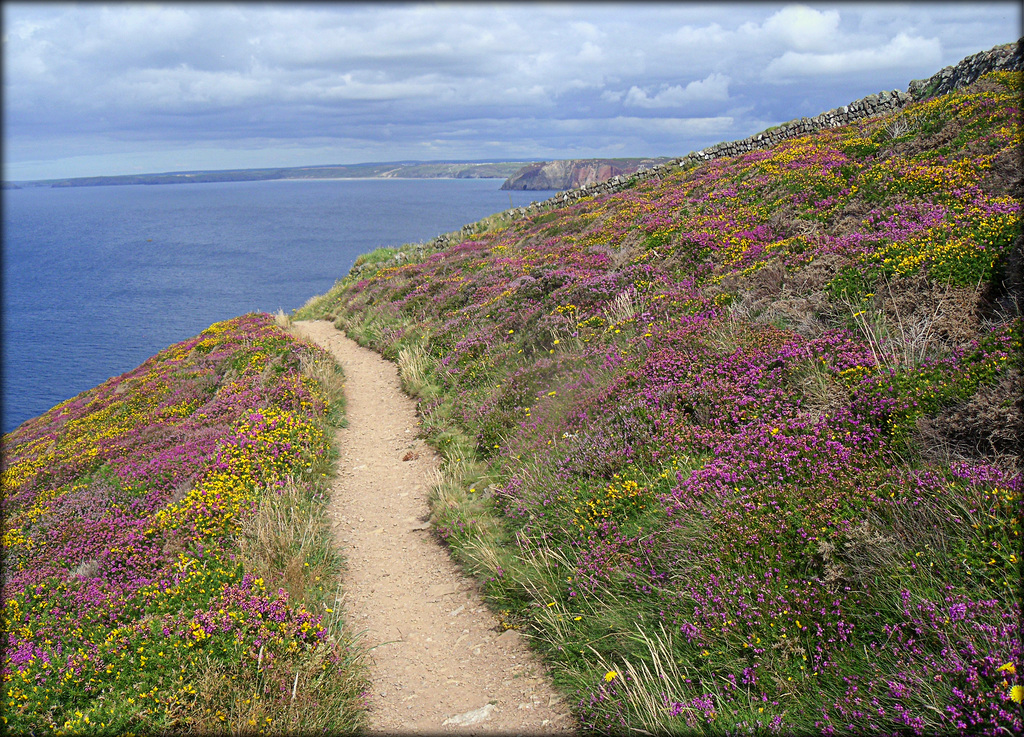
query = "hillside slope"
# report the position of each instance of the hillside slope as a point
(737, 447)
(166, 562)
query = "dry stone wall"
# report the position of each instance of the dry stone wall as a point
(1000, 58)
(1007, 57)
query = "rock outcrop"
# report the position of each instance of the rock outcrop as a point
(1007, 57)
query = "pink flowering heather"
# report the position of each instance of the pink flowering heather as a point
(122, 507)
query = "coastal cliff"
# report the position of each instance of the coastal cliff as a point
(574, 173)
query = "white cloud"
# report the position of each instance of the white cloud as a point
(367, 86)
(803, 28)
(713, 87)
(700, 36)
(902, 51)
(716, 125)
(184, 88)
(625, 124)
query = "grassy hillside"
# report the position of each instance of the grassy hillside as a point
(166, 565)
(737, 448)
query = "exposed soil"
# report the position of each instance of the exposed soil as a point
(441, 662)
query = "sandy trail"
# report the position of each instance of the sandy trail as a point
(440, 661)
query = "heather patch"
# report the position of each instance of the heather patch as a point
(134, 599)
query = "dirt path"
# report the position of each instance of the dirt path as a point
(440, 660)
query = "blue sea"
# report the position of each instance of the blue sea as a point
(98, 279)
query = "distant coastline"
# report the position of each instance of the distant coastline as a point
(388, 170)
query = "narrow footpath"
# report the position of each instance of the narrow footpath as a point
(440, 660)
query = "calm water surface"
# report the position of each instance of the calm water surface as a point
(97, 279)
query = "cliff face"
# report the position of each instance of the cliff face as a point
(573, 173)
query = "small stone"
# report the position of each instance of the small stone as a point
(509, 637)
(470, 717)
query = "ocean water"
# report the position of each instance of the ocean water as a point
(97, 279)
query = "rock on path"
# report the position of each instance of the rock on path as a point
(440, 661)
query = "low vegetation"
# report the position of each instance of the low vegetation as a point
(737, 448)
(167, 565)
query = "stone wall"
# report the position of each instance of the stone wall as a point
(1000, 58)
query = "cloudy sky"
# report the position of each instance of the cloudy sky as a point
(94, 89)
